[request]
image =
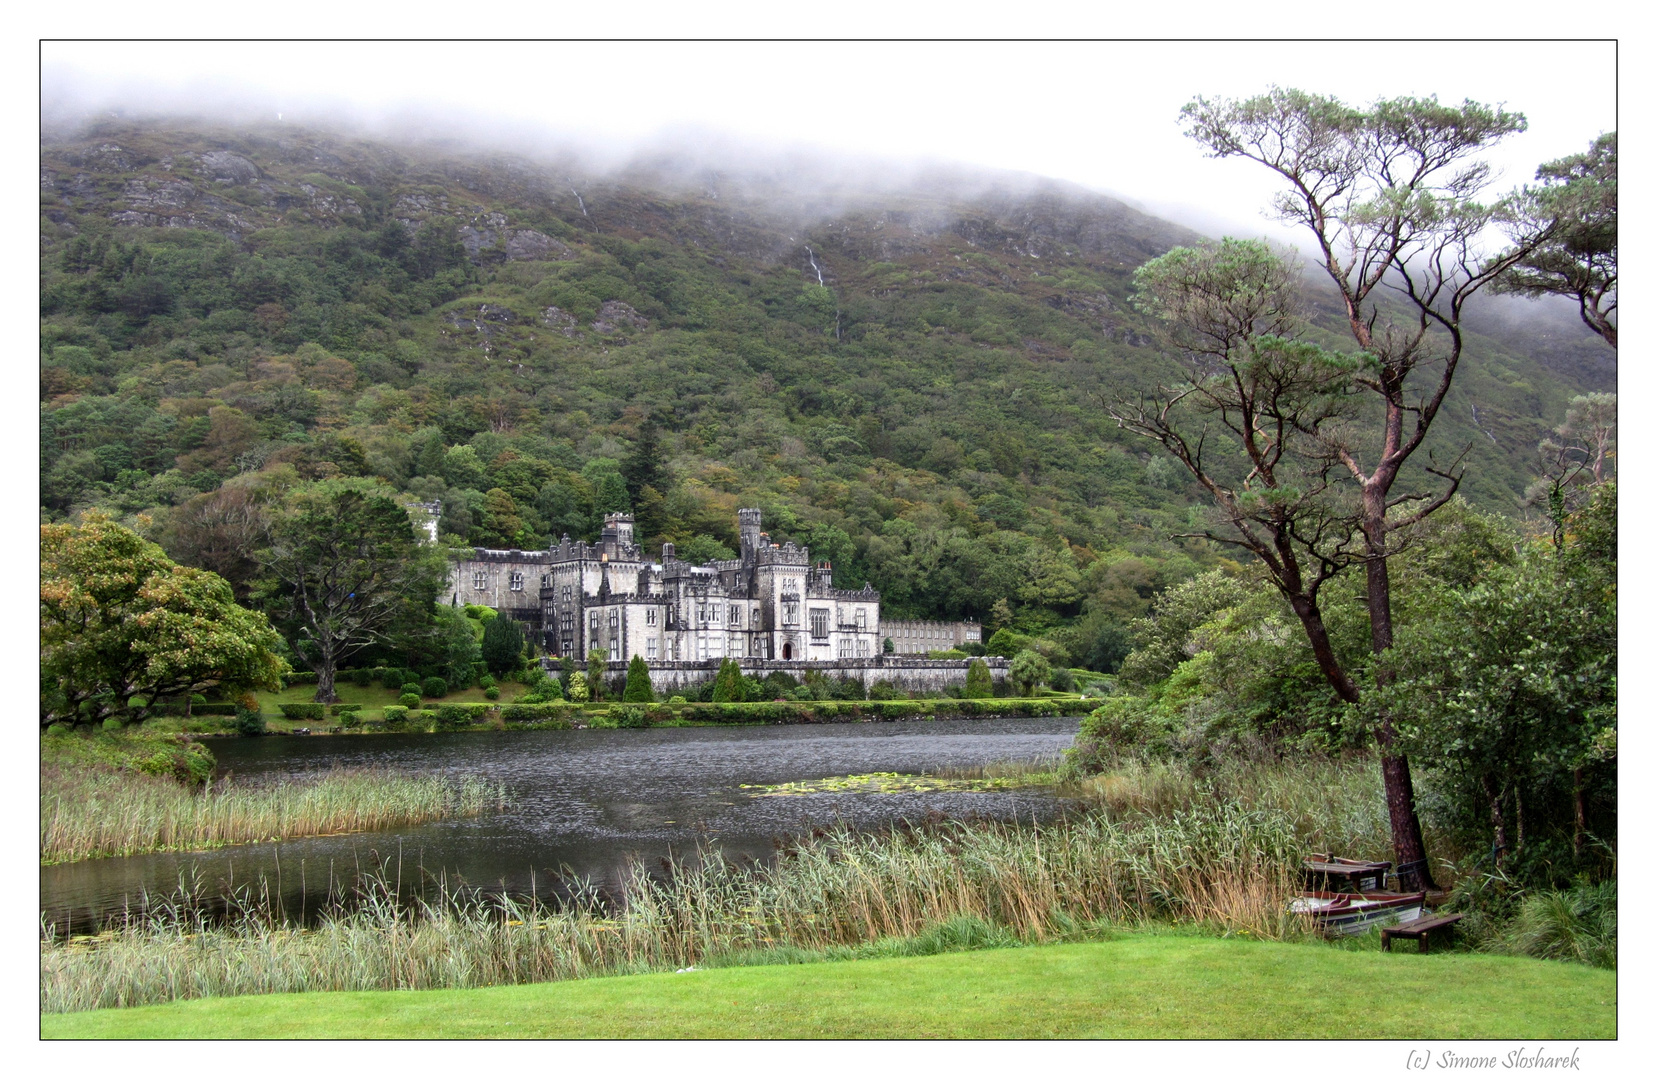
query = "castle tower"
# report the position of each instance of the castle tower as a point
(748, 522)
(617, 535)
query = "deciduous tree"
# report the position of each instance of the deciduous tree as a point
(343, 571)
(122, 626)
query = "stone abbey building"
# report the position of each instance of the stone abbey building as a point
(771, 603)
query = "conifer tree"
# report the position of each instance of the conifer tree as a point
(979, 683)
(728, 685)
(638, 681)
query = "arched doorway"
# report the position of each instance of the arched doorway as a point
(788, 650)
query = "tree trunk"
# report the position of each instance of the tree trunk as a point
(1518, 817)
(1409, 850)
(1498, 828)
(1580, 824)
(325, 670)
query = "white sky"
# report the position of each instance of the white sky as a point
(1101, 114)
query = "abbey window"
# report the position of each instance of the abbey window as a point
(736, 616)
(819, 622)
(480, 579)
(516, 581)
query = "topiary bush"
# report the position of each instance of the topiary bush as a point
(362, 677)
(493, 693)
(396, 716)
(301, 710)
(391, 678)
(409, 701)
(434, 687)
(410, 687)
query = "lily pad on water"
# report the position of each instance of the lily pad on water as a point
(884, 783)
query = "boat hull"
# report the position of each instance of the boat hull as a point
(1344, 914)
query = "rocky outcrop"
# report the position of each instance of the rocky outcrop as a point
(616, 317)
(223, 167)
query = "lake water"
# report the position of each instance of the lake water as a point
(582, 802)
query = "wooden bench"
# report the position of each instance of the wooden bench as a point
(1416, 928)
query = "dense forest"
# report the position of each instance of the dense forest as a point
(912, 382)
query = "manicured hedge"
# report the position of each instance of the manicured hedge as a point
(300, 710)
(820, 712)
(396, 716)
(460, 716)
(299, 678)
(222, 708)
(541, 716)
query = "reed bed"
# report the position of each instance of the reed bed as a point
(1218, 866)
(88, 813)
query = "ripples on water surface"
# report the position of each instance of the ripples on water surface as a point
(581, 800)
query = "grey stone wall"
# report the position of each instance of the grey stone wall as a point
(908, 673)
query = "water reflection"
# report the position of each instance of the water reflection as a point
(583, 802)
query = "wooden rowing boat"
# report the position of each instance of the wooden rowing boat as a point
(1354, 913)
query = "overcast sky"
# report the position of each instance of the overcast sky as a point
(1103, 115)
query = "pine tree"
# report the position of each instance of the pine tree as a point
(638, 681)
(728, 685)
(979, 683)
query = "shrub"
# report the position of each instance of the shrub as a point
(1029, 670)
(493, 693)
(411, 687)
(459, 716)
(630, 716)
(578, 688)
(883, 690)
(396, 715)
(434, 687)
(363, 677)
(391, 678)
(187, 762)
(198, 699)
(486, 680)
(1063, 680)
(301, 710)
(299, 678)
(676, 699)
(250, 722)
(1123, 727)
(409, 701)
(979, 683)
(549, 716)
(638, 682)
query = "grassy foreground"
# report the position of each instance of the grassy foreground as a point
(1138, 986)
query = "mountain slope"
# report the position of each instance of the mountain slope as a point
(911, 380)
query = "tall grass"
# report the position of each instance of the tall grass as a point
(89, 813)
(1219, 866)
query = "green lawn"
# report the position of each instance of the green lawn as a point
(1140, 986)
